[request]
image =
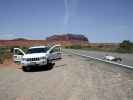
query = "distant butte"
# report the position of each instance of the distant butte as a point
(68, 37)
(65, 39)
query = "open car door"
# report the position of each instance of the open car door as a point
(55, 52)
(17, 55)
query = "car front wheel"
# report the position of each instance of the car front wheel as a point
(26, 68)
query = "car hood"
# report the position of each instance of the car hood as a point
(34, 55)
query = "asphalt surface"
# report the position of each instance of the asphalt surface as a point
(127, 59)
(72, 78)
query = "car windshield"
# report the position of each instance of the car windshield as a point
(37, 50)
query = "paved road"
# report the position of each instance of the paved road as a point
(127, 59)
(72, 78)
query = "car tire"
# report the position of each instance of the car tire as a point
(49, 62)
(26, 68)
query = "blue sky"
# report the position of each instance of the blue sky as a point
(99, 20)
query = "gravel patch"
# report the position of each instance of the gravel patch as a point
(72, 78)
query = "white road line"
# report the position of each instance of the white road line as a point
(115, 63)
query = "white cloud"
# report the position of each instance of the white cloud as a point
(66, 17)
(70, 9)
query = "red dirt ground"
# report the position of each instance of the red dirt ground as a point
(9, 63)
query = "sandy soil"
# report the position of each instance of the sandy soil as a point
(8, 63)
(72, 78)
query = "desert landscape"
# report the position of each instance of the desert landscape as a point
(84, 80)
(66, 50)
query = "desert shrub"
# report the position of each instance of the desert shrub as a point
(23, 48)
(6, 52)
(2, 55)
(126, 44)
(78, 46)
(67, 47)
(74, 46)
(125, 47)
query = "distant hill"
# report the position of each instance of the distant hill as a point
(65, 39)
(21, 42)
(20, 39)
(68, 39)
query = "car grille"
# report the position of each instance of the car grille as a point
(33, 59)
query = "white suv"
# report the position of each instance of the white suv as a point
(38, 55)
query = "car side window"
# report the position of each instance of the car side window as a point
(18, 52)
(56, 49)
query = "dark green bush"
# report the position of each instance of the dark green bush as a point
(125, 47)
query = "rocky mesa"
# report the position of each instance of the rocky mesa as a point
(64, 39)
(68, 39)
